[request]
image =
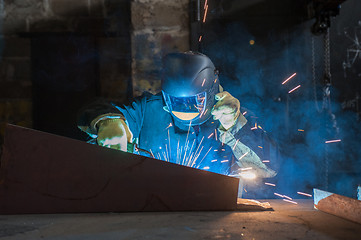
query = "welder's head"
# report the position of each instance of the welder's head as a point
(189, 85)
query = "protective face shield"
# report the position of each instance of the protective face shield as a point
(186, 108)
(189, 84)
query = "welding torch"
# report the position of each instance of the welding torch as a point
(133, 147)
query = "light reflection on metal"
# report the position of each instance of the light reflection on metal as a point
(305, 194)
(289, 78)
(333, 141)
(265, 161)
(294, 89)
(214, 160)
(203, 82)
(200, 38)
(223, 161)
(244, 113)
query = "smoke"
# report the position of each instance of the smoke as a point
(299, 121)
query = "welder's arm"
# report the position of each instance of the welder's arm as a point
(114, 133)
(246, 157)
(91, 114)
(227, 111)
(105, 122)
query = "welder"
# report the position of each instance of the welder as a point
(192, 122)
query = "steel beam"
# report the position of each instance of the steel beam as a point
(338, 205)
(46, 173)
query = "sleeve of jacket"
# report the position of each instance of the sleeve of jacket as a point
(92, 113)
(252, 147)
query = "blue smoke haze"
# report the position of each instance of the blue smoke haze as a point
(254, 73)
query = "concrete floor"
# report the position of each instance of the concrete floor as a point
(287, 221)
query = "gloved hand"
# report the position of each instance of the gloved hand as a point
(226, 110)
(114, 133)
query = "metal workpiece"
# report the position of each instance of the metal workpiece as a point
(338, 205)
(46, 173)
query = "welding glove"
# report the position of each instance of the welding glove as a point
(226, 110)
(114, 133)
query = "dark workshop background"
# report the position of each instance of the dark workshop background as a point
(57, 55)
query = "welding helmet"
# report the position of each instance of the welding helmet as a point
(189, 85)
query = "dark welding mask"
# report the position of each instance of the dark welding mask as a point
(189, 84)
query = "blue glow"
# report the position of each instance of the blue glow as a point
(254, 74)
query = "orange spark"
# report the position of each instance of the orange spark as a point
(305, 194)
(294, 89)
(286, 200)
(243, 156)
(205, 13)
(289, 78)
(287, 197)
(270, 184)
(333, 141)
(277, 194)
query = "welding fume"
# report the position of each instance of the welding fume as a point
(192, 122)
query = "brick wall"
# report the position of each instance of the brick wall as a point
(159, 27)
(156, 27)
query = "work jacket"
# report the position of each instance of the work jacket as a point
(204, 146)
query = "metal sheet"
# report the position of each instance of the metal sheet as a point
(338, 205)
(46, 173)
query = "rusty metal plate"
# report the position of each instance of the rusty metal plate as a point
(337, 205)
(46, 173)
